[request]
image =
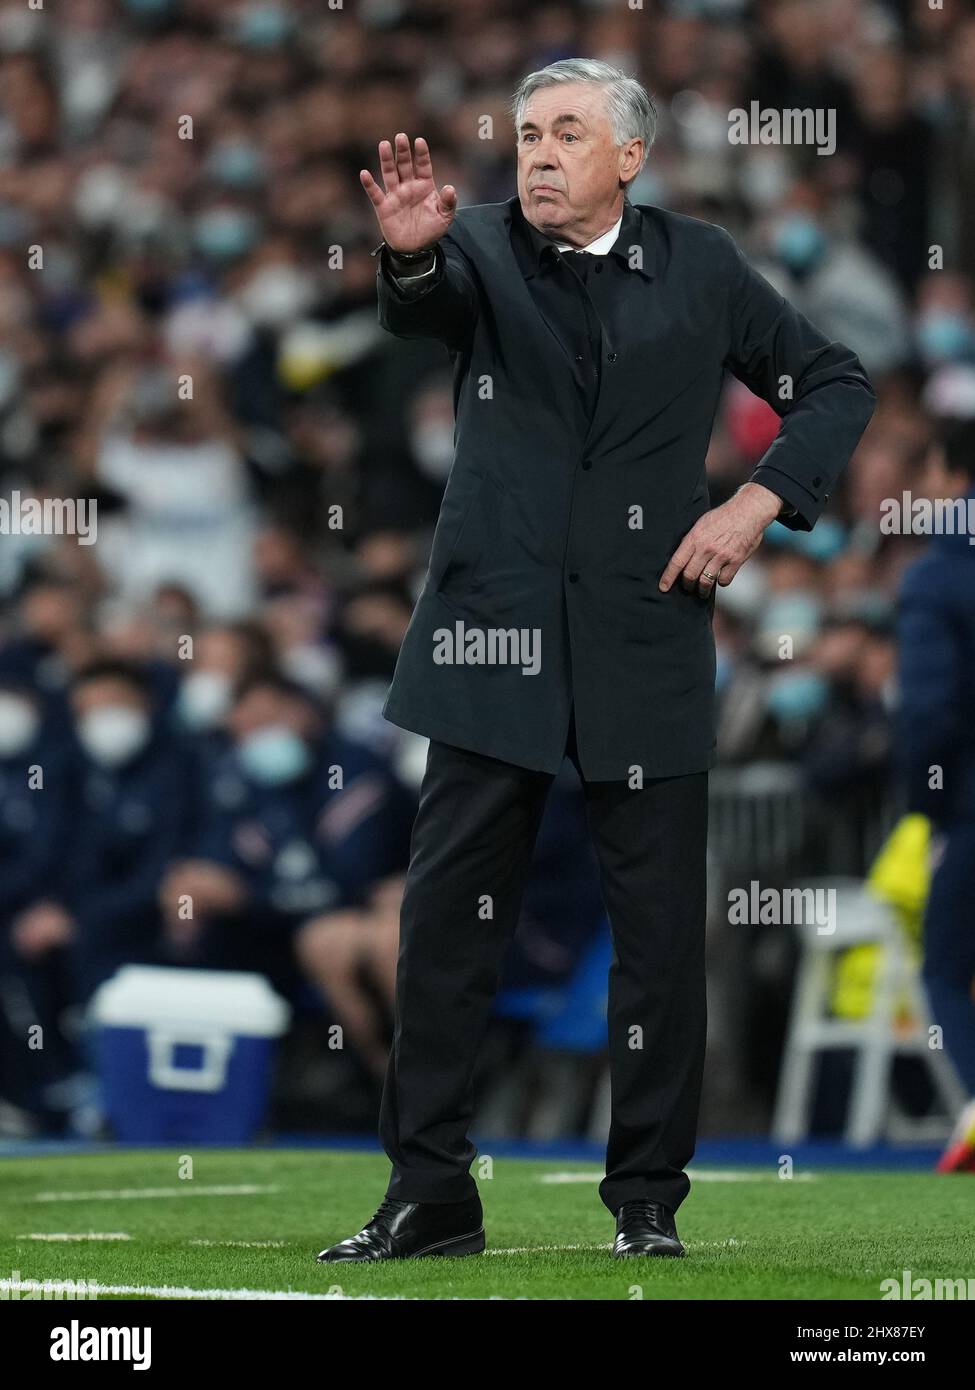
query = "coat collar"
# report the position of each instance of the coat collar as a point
(534, 250)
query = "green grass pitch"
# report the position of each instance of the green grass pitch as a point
(749, 1234)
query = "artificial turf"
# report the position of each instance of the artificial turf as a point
(749, 1234)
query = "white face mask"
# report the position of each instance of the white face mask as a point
(433, 448)
(204, 698)
(316, 668)
(114, 734)
(277, 294)
(19, 722)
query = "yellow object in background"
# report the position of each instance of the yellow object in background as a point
(901, 877)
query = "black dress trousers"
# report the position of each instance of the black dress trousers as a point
(472, 846)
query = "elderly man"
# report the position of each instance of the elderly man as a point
(567, 611)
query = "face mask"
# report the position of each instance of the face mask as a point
(277, 295)
(236, 164)
(796, 615)
(263, 26)
(433, 449)
(274, 755)
(225, 233)
(798, 242)
(946, 336)
(314, 667)
(19, 722)
(114, 734)
(204, 698)
(798, 695)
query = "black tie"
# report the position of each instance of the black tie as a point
(581, 261)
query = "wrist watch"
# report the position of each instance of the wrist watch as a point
(406, 257)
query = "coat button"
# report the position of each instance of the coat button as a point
(612, 357)
(816, 482)
(573, 578)
(579, 357)
(587, 464)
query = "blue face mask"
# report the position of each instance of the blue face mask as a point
(236, 164)
(799, 695)
(946, 336)
(222, 234)
(798, 242)
(265, 26)
(274, 755)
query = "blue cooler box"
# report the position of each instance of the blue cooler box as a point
(185, 1054)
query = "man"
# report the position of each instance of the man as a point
(936, 746)
(35, 822)
(300, 828)
(134, 782)
(588, 339)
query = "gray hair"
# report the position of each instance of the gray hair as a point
(629, 106)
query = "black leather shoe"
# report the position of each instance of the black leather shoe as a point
(408, 1230)
(645, 1228)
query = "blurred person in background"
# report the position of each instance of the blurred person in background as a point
(177, 463)
(225, 657)
(936, 747)
(301, 826)
(128, 822)
(35, 986)
(48, 641)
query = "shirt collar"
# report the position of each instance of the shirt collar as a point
(601, 245)
(634, 231)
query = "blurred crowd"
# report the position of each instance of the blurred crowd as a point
(188, 336)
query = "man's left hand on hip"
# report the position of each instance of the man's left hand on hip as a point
(719, 543)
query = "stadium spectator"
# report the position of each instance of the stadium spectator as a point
(300, 829)
(936, 744)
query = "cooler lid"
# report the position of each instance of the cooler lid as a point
(237, 1002)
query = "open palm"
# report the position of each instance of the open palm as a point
(411, 213)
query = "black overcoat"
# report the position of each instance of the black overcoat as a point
(575, 479)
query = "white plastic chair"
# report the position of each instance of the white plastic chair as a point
(861, 919)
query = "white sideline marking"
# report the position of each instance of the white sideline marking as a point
(244, 1244)
(71, 1286)
(68, 1235)
(128, 1194)
(702, 1175)
(603, 1245)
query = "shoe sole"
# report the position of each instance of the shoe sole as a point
(471, 1244)
(644, 1254)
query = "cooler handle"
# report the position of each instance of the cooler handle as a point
(209, 1076)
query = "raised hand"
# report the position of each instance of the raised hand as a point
(412, 215)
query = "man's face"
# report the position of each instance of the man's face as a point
(266, 707)
(569, 168)
(107, 692)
